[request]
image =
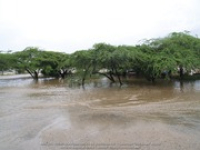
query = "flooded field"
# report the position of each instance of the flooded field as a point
(51, 115)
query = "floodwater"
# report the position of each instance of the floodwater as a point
(52, 115)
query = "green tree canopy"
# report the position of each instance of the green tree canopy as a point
(6, 61)
(150, 59)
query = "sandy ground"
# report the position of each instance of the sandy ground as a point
(30, 122)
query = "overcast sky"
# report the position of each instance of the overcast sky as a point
(70, 25)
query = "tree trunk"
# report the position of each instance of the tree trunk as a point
(108, 76)
(63, 73)
(85, 74)
(33, 74)
(118, 76)
(181, 72)
(111, 76)
(29, 71)
(170, 74)
(36, 75)
(150, 78)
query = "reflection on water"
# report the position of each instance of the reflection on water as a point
(30, 109)
(99, 93)
(183, 86)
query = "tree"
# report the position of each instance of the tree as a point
(28, 60)
(53, 64)
(177, 50)
(65, 67)
(114, 59)
(6, 62)
(34, 61)
(150, 59)
(146, 62)
(83, 61)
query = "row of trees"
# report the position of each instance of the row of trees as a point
(150, 59)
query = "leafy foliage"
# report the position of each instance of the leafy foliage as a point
(35, 61)
(6, 62)
(150, 59)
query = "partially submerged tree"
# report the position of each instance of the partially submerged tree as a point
(6, 62)
(65, 67)
(28, 60)
(53, 64)
(35, 61)
(115, 59)
(150, 59)
(177, 50)
(82, 61)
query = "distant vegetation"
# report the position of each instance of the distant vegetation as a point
(176, 54)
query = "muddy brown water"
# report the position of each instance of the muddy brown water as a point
(53, 115)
